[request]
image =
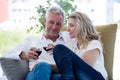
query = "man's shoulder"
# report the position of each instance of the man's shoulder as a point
(32, 38)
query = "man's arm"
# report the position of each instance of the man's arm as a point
(23, 56)
(16, 52)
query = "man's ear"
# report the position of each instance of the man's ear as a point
(44, 21)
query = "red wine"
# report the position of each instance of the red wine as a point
(45, 48)
(38, 52)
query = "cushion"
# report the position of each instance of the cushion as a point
(14, 69)
(108, 36)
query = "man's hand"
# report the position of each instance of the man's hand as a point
(31, 54)
(54, 68)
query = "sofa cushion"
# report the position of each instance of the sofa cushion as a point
(108, 37)
(14, 69)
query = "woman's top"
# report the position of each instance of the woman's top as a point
(99, 64)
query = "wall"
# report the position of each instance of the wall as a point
(3, 10)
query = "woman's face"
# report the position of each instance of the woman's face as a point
(71, 27)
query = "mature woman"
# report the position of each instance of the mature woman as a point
(83, 58)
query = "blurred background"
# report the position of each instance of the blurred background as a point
(15, 21)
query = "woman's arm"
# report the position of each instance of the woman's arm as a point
(91, 56)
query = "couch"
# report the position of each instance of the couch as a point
(18, 69)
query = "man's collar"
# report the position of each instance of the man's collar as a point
(60, 36)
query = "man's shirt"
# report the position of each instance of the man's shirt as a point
(38, 42)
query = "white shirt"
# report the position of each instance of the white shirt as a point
(99, 64)
(38, 42)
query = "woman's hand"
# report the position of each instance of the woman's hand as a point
(49, 48)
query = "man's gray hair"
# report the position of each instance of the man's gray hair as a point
(55, 9)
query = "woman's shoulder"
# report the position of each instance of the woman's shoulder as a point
(94, 44)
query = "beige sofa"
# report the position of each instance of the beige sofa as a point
(18, 69)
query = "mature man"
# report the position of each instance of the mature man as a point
(41, 67)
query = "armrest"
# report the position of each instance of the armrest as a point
(14, 69)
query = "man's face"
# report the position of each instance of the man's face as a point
(53, 24)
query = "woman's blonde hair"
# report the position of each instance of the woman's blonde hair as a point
(85, 31)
